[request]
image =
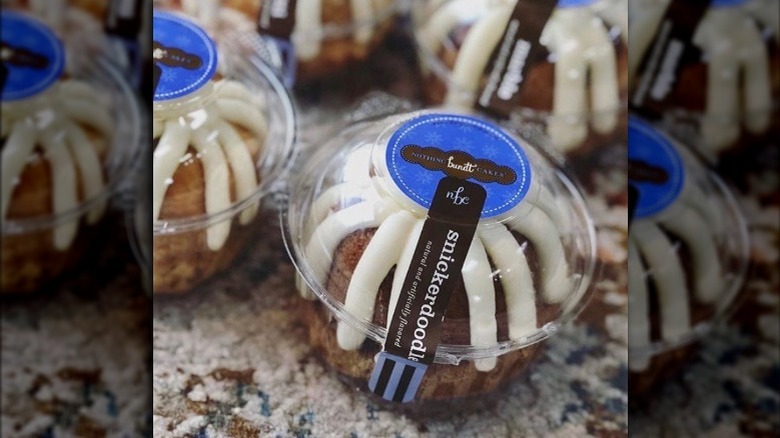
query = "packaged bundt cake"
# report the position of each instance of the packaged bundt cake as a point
(687, 255)
(555, 69)
(220, 141)
(68, 139)
(710, 71)
(435, 251)
(319, 37)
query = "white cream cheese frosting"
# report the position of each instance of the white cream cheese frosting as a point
(53, 124)
(576, 37)
(212, 134)
(309, 29)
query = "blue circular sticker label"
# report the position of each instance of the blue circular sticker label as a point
(185, 58)
(574, 3)
(32, 56)
(655, 169)
(429, 147)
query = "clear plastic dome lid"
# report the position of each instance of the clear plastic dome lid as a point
(70, 131)
(223, 130)
(231, 27)
(559, 63)
(688, 245)
(306, 26)
(718, 84)
(384, 212)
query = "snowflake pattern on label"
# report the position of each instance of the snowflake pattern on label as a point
(185, 55)
(655, 169)
(473, 148)
(31, 54)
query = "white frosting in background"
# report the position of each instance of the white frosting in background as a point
(393, 245)
(732, 47)
(308, 31)
(211, 133)
(580, 43)
(576, 38)
(473, 56)
(652, 255)
(766, 12)
(732, 43)
(53, 123)
(614, 13)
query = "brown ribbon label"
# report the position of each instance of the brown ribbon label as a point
(277, 18)
(519, 49)
(671, 50)
(21, 57)
(459, 164)
(642, 171)
(123, 18)
(173, 57)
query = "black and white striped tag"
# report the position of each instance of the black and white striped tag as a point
(395, 378)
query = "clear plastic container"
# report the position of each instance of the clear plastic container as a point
(572, 102)
(232, 29)
(222, 136)
(69, 141)
(327, 35)
(138, 226)
(350, 225)
(727, 99)
(688, 254)
(80, 26)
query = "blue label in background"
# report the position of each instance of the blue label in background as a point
(32, 55)
(654, 169)
(426, 148)
(574, 3)
(185, 56)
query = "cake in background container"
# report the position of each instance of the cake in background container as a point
(400, 219)
(70, 131)
(688, 255)
(314, 38)
(223, 134)
(555, 69)
(719, 90)
(138, 225)
(232, 30)
(78, 23)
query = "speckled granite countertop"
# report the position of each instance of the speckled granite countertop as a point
(76, 359)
